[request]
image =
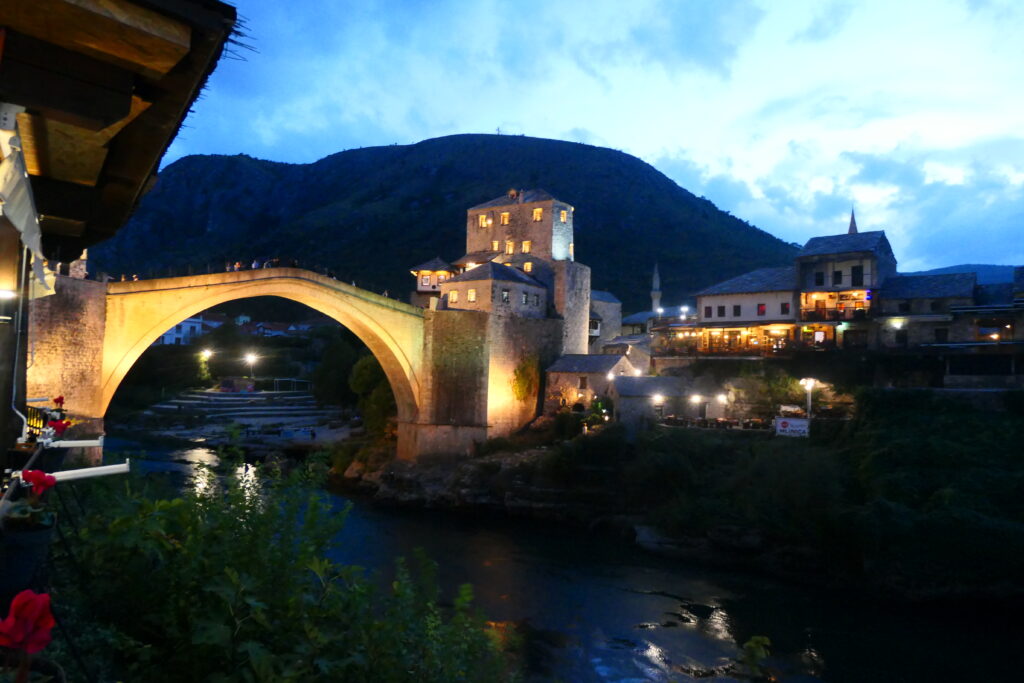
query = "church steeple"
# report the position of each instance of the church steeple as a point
(655, 290)
(853, 223)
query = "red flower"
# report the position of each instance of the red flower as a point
(41, 481)
(59, 401)
(28, 625)
(59, 426)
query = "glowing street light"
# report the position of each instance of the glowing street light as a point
(808, 384)
(658, 399)
(660, 310)
(251, 359)
(205, 354)
(611, 376)
(696, 398)
(684, 310)
(722, 398)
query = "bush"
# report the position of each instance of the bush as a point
(230, 581)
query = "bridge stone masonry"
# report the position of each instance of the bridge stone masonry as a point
(450, 370)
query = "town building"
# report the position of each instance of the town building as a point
(843, 292)
(575, 380)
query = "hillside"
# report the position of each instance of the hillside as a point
(370, 214)
(987, 274)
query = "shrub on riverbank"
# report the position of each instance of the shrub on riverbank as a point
(230, 581)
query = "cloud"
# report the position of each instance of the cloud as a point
(827, 23)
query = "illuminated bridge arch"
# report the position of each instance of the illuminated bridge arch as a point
(139, 312)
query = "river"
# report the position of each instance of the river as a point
(598, 608)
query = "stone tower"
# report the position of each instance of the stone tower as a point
(655, 290)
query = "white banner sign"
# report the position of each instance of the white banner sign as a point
(792, 426)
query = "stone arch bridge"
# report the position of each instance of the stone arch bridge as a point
(86, 337)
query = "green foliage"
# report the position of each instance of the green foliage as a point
(752, 657)
(376, 400)
(526, 378)
(330, 379)
(231, 582)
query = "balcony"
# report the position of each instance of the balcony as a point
(832, 314)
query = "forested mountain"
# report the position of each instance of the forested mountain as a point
(370, 214)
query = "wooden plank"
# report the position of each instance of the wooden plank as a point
(115, 31)
(59, 199)
(56, 82)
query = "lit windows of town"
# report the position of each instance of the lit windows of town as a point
(453, 296)
(510, 247)
(538, 215)
(481, 221)
(504, 296)
(425, 280)
(495, 245)
(563, 216)
(528, 267)
(504, 218)
(471, 295)
(527, 246)
(572, 250)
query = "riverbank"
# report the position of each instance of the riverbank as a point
(910, 501)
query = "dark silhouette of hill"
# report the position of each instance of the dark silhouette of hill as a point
(988, 274)
(371, 214)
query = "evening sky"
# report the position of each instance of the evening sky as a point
(782, 112)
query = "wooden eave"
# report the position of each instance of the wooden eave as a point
(105, 85)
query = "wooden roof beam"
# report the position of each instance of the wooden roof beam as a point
(116, 31)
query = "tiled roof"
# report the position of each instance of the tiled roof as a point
(607, 297)
(760, 280)
(526, 196)
(648, 386)
(873, 241)
(476, 257)
(583, 363)
(435, 264)
(639, 318)
(496, 271)
(928, 286)
(994, 295)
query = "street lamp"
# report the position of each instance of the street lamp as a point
(685, 310)
(251, 359)
(808, 384)
(205, 354)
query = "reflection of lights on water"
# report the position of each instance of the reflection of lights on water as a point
(717, 625)
(198, 456)
(813, 661)
(249, 481)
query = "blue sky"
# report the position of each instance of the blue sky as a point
(782, 112)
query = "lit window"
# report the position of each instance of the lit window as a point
(527, 246)
(762, 309)
(453, 296)
(528, 267)
(563, 216)
(504, 218)
(425, 280)
(538, 215)
(504, 296)
(471, 295)
(571, 250)
(494, 245)
(441, 277)
(481, 221)
(526, 298)
(510, 247)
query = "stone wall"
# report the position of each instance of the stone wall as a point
(454, 387)
(515, 342)
(66, 345)
(572, 302)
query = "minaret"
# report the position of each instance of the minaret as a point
(655, 290)
(853, 223)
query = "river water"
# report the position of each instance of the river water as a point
(597, 608)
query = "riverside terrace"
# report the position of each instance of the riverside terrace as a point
(844, 294)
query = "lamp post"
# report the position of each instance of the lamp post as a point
(251, 359)
(808, 384)
(205, 354)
